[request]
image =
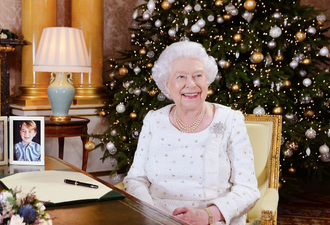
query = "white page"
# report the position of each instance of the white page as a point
(50, 187)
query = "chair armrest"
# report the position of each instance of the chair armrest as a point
(269, 206)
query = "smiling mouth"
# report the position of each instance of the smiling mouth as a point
(190, 94)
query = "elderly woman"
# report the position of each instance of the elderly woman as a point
(193, 159)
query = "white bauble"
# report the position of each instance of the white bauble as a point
(210, 18)
(220, 19)
(201, 23)
(307, 82)
(135, 14)
(222, 63)
(275, 32)
(195, 28)
(324, 51)
(293, 64)
(137, 70)
(188, 8)
(277, 15)
(311, 30)
(247, 16)
(256, 82)
(171, 1)
(113, 151)
(259, 110)
(198, 7)
(158, 23)
(302, 73)
(146, 15)
(172, 32)
(324, 149)
(120, 108)
(113, 133)
(151, 6)
(272, 44)
(110, 146)
(308, 151)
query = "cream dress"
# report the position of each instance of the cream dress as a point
(173, 169)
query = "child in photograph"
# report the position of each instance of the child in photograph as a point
(27, 150)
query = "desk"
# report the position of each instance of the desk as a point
(115, 212)
(77, 126)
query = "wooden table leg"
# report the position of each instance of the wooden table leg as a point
(85, 153)
(60, 147)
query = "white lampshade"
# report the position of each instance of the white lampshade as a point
(62, 49)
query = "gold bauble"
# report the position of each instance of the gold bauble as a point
(90, 145)
(142, 51)
(102, 113)
(300, 36)
(309, 113)
(227, 65)
(279, 58)
(153, 92)
(280, 185)
(292, 170)
(250, 4)
(235, 87)
(123, 71)
(112, 75)
(306, 61)
(149, 65)
(257, 57)
(227, 17)
(133, 115)
(132, 35)
(287, 83)
(210, 92)
(123, 138)
(277, 110)
(237, 37)
(218, 3)
(166, 5)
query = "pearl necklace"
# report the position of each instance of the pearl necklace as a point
(188, 128)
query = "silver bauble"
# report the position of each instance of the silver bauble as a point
(324, 149)
(110, 146)
(307, 82)
(113, 133)
(220, 19)
(302, 73)
(120, 108)
(259, 110)
(272, 44)
(275, 32)
(158, 23)
(311, 30)
(161, 97)
(276, 15)
(310, 133)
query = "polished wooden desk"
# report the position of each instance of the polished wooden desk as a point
(77, 126)
(115, 212)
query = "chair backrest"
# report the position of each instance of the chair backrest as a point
(265, 136)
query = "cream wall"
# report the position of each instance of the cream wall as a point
(117, 18)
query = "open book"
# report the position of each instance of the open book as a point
(50, 187)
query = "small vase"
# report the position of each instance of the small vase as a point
(60, 94)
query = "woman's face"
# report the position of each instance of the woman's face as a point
(187, 84)
(26, 134)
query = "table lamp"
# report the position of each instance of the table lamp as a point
(61, 51)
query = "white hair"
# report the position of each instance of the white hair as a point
(178, 50)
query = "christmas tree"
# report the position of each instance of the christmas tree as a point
(272, 57)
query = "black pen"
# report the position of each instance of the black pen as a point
(78, 183)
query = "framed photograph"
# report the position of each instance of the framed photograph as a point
(3, 140)
(27, 140)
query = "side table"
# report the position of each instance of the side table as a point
(76, 127)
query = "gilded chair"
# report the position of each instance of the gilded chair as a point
(265, 136)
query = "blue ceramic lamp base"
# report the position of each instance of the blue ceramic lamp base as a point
(60, 94)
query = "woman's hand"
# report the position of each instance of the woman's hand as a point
(192, 215)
